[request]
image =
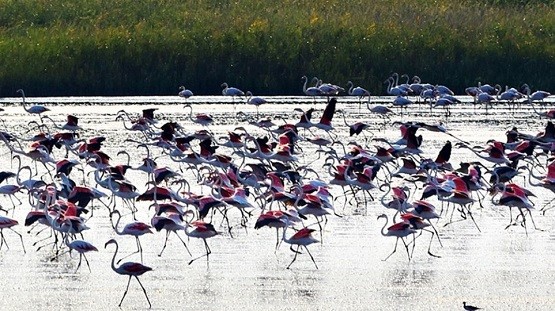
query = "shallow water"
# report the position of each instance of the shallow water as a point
(496, 269)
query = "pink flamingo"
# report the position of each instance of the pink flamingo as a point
(302, 238)
(399, 230)
(135, 229)
(8, 223)
(202, 230)
(133, 269)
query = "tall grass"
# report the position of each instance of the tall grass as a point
(124, 47)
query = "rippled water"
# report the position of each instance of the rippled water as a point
(496, 269)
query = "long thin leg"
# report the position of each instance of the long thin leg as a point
(139, 247)
(277, 239)
(207, 254)
(183, 243)
(406, 247)
(21, 238)
(87, 262)
(79, 264)
(437, 234)
(126, 289)
(311, 257)
(165, 243)
(3, 240)
(430, 245)
(144, 291)
(135, 252)
(294, 257)
(394, 250)
(533, 222)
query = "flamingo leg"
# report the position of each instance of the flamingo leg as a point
(144, 290)
(87, 262)
(207, 254)
(311, 257)
(139, 250)
(79, 264)
(165, 243)
(430, 245)
(3, 240)
(437, 234)
(277, 239)
(21, 238)
(394, 250)
(294, 257)
(184, 244)
(406, 247)
(533, 222)
(126, 289)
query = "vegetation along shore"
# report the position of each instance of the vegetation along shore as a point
(125, 47)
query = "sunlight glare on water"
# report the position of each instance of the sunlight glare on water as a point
(493, 267)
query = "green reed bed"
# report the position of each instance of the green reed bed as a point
(123, 47)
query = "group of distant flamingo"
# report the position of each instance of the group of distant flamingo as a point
(287, 176)
(405, 94)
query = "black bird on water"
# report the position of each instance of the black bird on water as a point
(469, 307)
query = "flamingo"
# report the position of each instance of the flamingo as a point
(358, 92)
(399, 230)
(184, 92)
(70, 125)
(202, 230)
(79, 246)
(133, 269)
(36, 109)
(8, 223)
(402, 102)
(277, 219)
(200, 118)
(255, 101)
(484, 98)
(302, 238)
(394, 90)
(232, 91)
(171, 223)
(537, 95)
(311, 91)
(135, 229)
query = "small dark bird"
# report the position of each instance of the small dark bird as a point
(469, 307)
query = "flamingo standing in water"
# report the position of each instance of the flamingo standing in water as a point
(135, 229)
(312, 90)
(200, 118)
(133, 269)
(358, 92)
(184, 92)
(8, 223)
(302, 238)
(399, 230)
(232, 91)
(79, 246)
(255, 101)
(202, 230)
(36, 109)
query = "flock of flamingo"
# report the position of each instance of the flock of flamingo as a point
(288, 175)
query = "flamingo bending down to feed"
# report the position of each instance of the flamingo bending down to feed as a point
(133, 269)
